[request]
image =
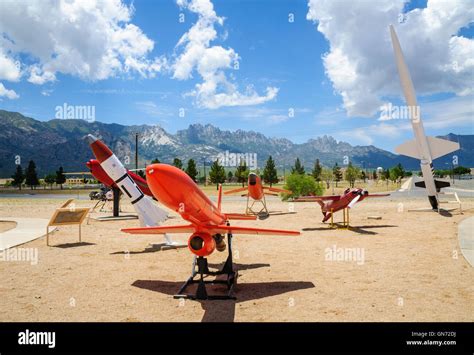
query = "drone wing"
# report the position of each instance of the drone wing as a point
(210, 228)
(236, 190)
(376, 195)
(161, 229)
(274, 189)
(318, 198)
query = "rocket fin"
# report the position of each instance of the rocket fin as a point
(440, 147)
(409, 148)
(438, 183)
(149, 214)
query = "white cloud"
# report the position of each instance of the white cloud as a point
(449, 113)
(274, 119)
(210, 62)
(367, 135)
(9, 94)
(46, 92)
(9, 68)
(152, 109)
(39, 77)
(444, 114)
(360, 61)
(88, 39)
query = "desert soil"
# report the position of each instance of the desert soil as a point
(409, 268)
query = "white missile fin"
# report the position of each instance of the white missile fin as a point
(149, 214)
(440, 147)
(409, 148)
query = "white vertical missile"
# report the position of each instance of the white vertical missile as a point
(148, 213)
(424, 148)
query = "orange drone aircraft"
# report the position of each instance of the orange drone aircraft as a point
(177, 191)
(257, 192)
(331, 204)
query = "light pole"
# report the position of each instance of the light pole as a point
(136, 151)
(452, 171)
(204, 165)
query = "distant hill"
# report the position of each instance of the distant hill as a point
(61, 142)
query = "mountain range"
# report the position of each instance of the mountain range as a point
(60, 142)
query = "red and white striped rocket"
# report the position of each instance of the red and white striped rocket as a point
(148, 213)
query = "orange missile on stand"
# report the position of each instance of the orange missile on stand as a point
(257, 191)
(207, 224)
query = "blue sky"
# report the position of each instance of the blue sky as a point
(273, 52)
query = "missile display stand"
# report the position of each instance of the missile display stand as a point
(345, 220)
(263, 210)
(201, 270)
(456, 201)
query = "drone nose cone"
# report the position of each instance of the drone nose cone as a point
(91, 139)
(152, 169)
(100, 150)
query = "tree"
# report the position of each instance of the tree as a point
(60, 177)
(18, 177)
(31, 177)
(317, 170)
(336, 171)
(270, 175)
(374, 175)
(302, 185)
(352, 174)
(230, 176)
(217, 173)
(141, 173)
(191, 169)
(155, 161)
(242, 172)
(386, 175)
(50, 179)
(327, 176)
(178, 163)
(298, 168)
(396, 173)
(461, 170)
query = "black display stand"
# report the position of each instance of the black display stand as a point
(116, 209)
(201, 270)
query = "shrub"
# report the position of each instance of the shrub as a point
(302, 185)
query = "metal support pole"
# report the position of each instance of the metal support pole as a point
(116, 208)
(136, 151)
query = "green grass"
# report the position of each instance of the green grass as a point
(210, 190)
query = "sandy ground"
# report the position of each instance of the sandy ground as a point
(411, 270)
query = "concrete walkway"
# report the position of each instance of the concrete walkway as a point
(466, 239)
(27, 229)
